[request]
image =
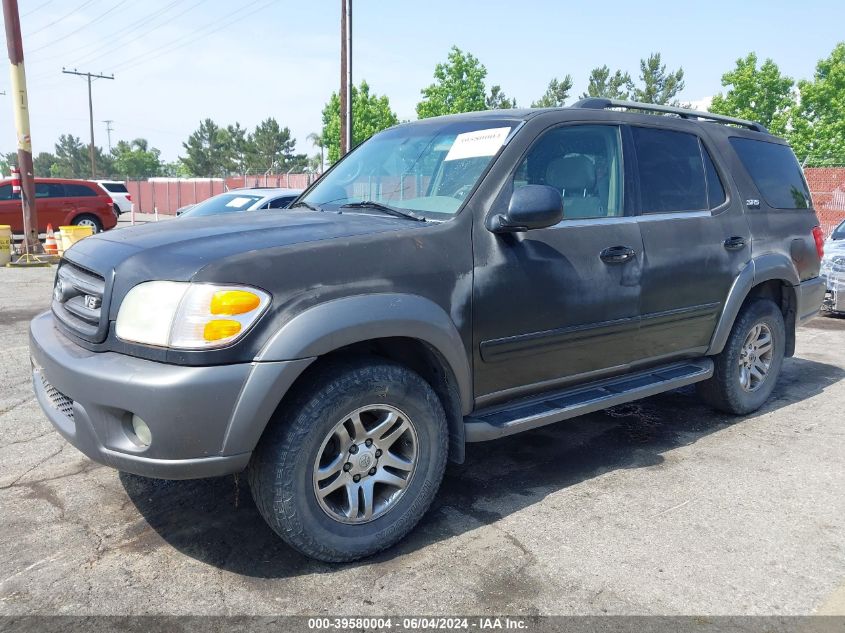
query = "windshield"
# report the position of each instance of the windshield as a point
(838, 232)
(429, 168)
(223, 203)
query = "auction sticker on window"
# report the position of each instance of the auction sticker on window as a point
(478, 143)
(238, 202)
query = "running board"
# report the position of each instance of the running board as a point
(548, 408)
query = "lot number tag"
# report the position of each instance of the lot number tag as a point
(478, 143)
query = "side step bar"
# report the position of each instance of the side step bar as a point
(548, 408)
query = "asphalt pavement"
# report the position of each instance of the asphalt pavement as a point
(657, 507)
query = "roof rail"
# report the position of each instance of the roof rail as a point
(598, 103)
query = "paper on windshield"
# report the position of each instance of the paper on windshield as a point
(238, 202)
(478, 143)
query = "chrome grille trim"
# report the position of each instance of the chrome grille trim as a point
(73, 284)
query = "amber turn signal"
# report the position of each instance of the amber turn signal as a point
(234, 302)
(220, 328)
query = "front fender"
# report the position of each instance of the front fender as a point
(335, 324)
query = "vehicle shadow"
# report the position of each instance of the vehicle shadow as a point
(215, 520)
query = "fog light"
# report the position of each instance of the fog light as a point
(142, 431)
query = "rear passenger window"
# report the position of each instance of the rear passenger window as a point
(715, 188)
(776, 172)
(584, 163)
(671, 171)
(78, 191)
(49, 190)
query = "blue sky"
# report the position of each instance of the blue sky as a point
(243, 61)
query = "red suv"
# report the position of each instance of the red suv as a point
(60, 202)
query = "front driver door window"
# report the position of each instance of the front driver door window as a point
(547, 308)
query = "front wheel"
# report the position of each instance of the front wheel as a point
(349, 466)
(747, 369)
(87, 219)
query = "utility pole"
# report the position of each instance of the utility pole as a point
(90, 76)
(14, 43)
(345, 76)
(349, 123)
(344, 97)
(109, 130)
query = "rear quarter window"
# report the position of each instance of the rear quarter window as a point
(77, 190)
(115, 187)
(775, 171)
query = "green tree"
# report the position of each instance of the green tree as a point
(818, 120)
(317, 141)
(556, 94)
(497, 100)
(658, 86)
(619, 85)
(136, 159)
(42, 164)
(208, 151)
(238, 146)
(760, 94)
(72, 159)
(7, 161)
(458, 87)
(270, 147)
(370, 114)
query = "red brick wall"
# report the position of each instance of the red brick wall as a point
(827, 184)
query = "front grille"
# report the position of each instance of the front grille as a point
(59, 401)
(78, 301)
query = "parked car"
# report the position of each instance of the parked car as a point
(119, 194)
(60, 202)
(833, 274)
(239, 200)
(454, 279)
(837, 234)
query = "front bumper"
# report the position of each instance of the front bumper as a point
(204, 421)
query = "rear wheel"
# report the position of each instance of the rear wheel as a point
(86, 219)
(747, 369)
(351, 465)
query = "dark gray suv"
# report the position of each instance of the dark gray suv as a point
(451, 280)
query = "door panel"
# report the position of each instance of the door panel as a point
(547, 309)
(695, 246)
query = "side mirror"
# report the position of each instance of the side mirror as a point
(531, 207)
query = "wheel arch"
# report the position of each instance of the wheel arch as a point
(770, 276)
(406, 329)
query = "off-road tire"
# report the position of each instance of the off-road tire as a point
(723, 391)
(280, 471)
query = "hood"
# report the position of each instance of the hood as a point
(176, 250)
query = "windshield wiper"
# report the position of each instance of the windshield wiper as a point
(378, 206)
(307, 205)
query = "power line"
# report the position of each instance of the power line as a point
(64, 17)
(77, 30)
(101, 51)
(90, 76)
(203, 32)
(95, 54)
(36, 9)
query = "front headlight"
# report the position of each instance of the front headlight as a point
(188, 316)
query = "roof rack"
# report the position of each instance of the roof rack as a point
(597, 103)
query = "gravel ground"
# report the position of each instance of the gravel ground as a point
(658, 507)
